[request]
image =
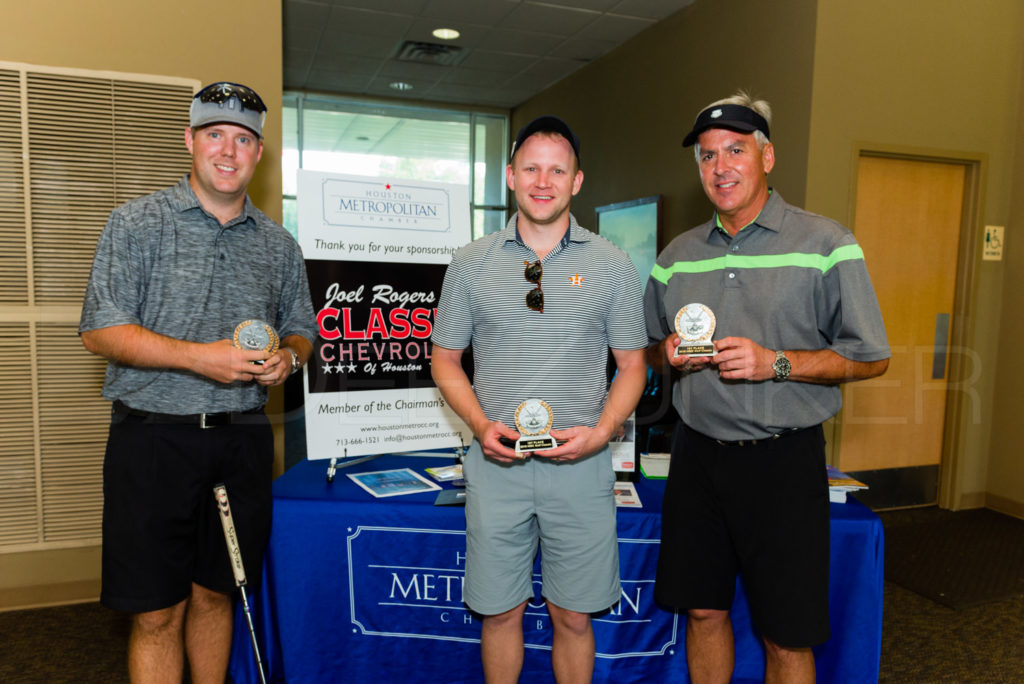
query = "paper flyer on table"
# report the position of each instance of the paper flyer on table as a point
(382, 483)
(626, 495)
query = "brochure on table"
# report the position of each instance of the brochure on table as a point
(376, 251)
(839, 484)
(384, 483)
(623, 446)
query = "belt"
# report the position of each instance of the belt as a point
(203, 420)
(749, 442)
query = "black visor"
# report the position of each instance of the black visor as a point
(730, 116)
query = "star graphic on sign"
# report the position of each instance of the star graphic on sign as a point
(576, 280)
(326, 368)
(340, 367)
(388, 186)
(351, 368)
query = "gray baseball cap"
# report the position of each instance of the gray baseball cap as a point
(225, 102)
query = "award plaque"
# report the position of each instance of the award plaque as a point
(254, 335)
(695, 324)
(533, 420)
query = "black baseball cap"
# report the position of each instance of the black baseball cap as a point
(731, 116)
(548, 124)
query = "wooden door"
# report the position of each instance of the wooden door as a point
(908, 221)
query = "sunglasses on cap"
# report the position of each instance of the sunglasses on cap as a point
(535, 297)
(219, 93)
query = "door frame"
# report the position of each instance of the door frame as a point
(971, 233)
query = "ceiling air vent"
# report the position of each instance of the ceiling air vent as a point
(430, 53)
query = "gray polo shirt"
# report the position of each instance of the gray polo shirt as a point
(791, 280)
(592, 301)
(164, 263)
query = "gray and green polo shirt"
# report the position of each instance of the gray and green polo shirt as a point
(164, 263)
(791, 280)
(592, 302)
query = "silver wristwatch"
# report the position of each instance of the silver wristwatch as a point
(782, 366)
(296, 364)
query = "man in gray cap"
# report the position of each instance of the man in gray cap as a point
(785, 298)
(199, 302)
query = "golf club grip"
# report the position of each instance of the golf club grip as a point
(220, 493)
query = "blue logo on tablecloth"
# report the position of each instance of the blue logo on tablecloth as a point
(407, 583)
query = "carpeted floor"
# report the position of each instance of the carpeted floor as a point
(84, 643)
(954, 597)
(960, 559)
(923, 641)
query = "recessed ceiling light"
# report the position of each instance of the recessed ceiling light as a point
(400, 85)
(446, 33)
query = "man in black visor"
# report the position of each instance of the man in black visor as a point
(785, 299)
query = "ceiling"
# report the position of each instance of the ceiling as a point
(508, 50)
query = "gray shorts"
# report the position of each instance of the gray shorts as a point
(569, 508)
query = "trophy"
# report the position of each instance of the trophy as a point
(695, 324)
(533, 420)
(255, 335)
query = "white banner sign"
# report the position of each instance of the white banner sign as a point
(376, 252)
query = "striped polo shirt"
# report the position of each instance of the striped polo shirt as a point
(791, 280)
(592, 302)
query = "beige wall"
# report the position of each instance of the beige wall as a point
(237, 40)
(1005, 481)
(632, 108)
(942, 81)
(226, 40)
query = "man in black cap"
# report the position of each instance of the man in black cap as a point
(540, 356)
(787, 300)
(183, 281)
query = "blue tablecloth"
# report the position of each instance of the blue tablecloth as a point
(359, 589)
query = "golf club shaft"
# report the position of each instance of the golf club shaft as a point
(220, 493)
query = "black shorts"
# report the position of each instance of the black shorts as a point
(161, 532)
(760, 510)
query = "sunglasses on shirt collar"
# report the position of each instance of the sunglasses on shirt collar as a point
(535, 297)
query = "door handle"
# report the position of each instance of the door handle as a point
(941, 346)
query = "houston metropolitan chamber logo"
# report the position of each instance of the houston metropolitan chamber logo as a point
(407, 583)
(366, 204)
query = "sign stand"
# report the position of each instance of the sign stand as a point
(333, 467)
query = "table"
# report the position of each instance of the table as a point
(358, 589)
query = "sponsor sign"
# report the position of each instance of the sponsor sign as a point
(376, 252)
